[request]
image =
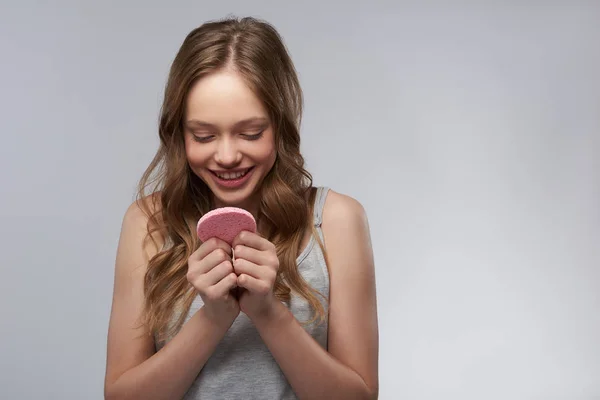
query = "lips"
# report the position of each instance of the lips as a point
(231, 174)
(233, 181)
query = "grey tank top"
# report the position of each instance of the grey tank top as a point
(241, 366)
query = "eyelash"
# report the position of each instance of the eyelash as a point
(255, 136)
(206, 139)
(201, 139)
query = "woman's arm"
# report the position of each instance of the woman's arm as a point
(349, 369)
(133, 369)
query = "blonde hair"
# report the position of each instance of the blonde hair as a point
(179, 198)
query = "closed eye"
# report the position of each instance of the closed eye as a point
(254, 136)
(203, 139)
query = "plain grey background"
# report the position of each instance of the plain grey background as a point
(469, 131)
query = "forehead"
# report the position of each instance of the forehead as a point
(223, 98)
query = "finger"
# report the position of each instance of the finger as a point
(212, 260)
(208, 247)
(253, 240)
(219, 272)
(242, 266)
(198, 268)
(253, 285)
(223, 287)
(257, 257)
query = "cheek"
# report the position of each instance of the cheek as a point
(196, 155)
(271, 158)
(266, 155)
(268, 151)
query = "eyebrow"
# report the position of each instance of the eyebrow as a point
(247, 121)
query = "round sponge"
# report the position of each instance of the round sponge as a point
(225, 223)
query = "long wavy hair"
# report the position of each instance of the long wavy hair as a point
(174, 198)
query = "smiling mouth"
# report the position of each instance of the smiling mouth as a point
(231, 176)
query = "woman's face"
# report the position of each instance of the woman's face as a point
(229, 139)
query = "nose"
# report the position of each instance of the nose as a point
(227, 155)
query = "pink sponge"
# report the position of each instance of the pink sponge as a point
(225, 223)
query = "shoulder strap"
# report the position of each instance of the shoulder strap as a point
(319, 203)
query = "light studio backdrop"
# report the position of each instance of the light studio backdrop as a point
(469, 131)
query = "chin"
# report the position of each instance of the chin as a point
(233, 199)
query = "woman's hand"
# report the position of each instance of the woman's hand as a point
(210, 271)
(256, 265)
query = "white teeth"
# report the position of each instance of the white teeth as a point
(232, 175)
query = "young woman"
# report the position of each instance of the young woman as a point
(293, 314)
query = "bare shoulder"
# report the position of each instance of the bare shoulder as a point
(342, 211)
(136, 247)
(353, 327)
(135, 224)
(140, 210)
(128, 342)
(347, 235)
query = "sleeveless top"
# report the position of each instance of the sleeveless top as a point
(241, 366)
